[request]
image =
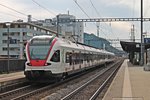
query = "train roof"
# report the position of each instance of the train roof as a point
(81, 46)
(42, 36)
(69, 44)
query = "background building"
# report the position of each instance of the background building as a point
(19, 33)
(92, 40)
(69, 30)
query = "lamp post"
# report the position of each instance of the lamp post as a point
(142, 39)
(8, 40)
(57, 26)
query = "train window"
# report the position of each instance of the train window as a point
(81, 58)
(85, 56)
(88, 57)
(75, 58)
(41, 41)
(38, 52)
(69, 58)
(56, 56)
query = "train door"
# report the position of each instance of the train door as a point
(68, 61)
(85, 59)
(80, 59)
(73, 60)
(88, 59)
(92, 60)
(62, 56)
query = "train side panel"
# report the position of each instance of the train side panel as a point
(63, 58)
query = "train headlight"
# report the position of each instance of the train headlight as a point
(46, 64)
(29, 64)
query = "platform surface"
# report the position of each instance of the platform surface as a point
(131, 83)
(11, 76)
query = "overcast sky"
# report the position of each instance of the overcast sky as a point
(105, 8)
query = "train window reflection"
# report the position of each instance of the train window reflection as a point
(56, 56)
(41, 41)
(38, 52)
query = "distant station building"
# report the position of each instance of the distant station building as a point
(95, 41)
(69, 30)
(19, 32)
(134, 50)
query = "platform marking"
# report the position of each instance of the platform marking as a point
(127, 92)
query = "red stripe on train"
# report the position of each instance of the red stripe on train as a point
(37, 62)
(41, 62)
(51, 48)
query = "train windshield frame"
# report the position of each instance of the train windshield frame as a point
(39, 48)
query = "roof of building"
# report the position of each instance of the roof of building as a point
(28, 23)
(98, 42)
(133, 46)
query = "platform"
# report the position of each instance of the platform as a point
(131, 83)
(11, 76)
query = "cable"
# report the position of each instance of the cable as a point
(81, 9)
(99, 13)
(13, 10)
(16, 11)
(10, 14)
(111, 31)
(95, 8)
(85, 13)
(44, 7)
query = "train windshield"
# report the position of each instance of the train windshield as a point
(38, 48)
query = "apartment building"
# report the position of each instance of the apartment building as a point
(69, 30)
(19, 32)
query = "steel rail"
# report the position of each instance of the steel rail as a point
(46, 88)
(67, 97)
(3, 95)
(95, 95)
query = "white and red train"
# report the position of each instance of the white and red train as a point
(50, 56)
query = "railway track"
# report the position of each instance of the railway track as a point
(27, 91)
(92, 88)
(35, 94)
(31, 92)
(12, 94)
(4, 87)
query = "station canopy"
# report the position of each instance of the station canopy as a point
(133, 46)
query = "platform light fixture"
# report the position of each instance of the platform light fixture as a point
(142, 37)
(8, 41)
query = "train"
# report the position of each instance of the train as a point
(52, 57)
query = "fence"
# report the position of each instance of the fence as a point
(14, 65)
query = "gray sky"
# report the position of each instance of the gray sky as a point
(105, 8)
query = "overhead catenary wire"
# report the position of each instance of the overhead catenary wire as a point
(85, 12)
(99, 14)
(13, 9)
(81, 9)
(95, 8)
(44, 7)
(11, 15)
(16, 10)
